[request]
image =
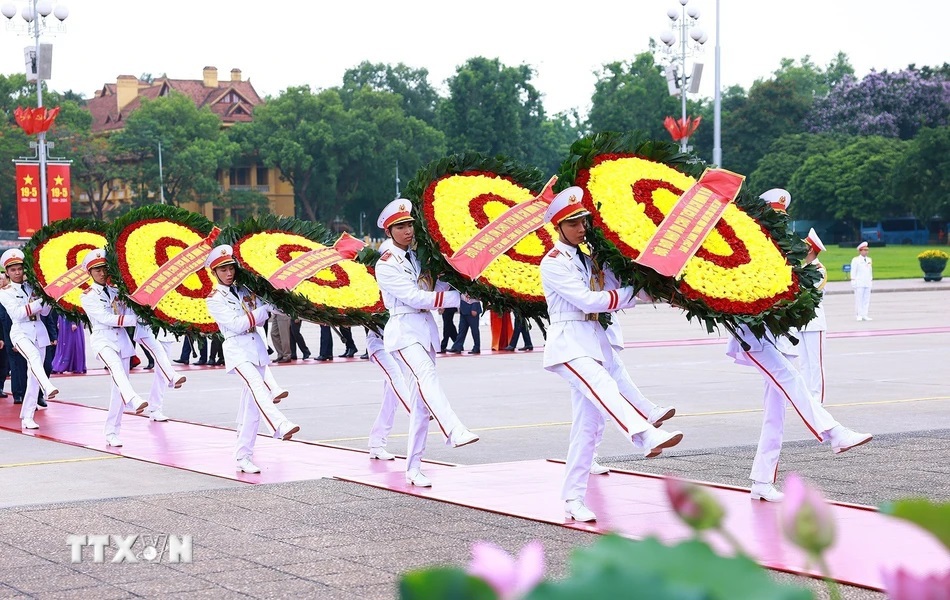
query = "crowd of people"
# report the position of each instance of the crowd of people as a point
(580, 295)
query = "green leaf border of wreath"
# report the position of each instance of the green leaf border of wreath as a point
(145, 213)
(778, 320)
(295, 304)
(43, 235)
(430, 255)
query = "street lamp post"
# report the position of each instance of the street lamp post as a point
(35, 15)
(683, 22)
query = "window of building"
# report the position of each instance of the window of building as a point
(262, 173)
(239, 176)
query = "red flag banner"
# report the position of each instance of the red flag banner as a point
(172, 273)
(308, 264)
(29, 212)
(59, 191)
(688, 225)
(66, 282)
(501, 235)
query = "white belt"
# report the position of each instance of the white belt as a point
(406, 310)
(572, 316)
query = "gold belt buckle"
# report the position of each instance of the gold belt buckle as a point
(592, 317)
(32, 317)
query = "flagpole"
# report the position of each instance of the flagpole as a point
(41, 138)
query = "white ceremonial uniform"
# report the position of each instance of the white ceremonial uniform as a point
(783, 383)
(579, 350)
(165, 374)
(811, 358)
(109, 315)
(28, 335)
(238, 314)
(861, 278)
(395, 389)
(412, 337)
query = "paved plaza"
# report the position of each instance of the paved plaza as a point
(332, 539)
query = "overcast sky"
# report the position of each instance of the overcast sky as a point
(296, 42)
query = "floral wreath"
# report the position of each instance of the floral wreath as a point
(57, 248)
(345, 294)
(455, 197)
(747, 272)
(144, 239)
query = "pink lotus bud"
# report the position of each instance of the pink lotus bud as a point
(901, 585)
(806, 516)
(510, 578)
(693, 504)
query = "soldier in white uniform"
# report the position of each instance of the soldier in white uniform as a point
(165, 375)
(811, 357)
(861, 278)
(109, 316)
(784, 383)
(578, 350)
(239, 313)
(412, 337)
(28, 333)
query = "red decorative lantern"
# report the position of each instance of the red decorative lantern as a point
(681, 128)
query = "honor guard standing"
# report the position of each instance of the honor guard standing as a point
(109, 316)
(861, 278)
(811, 357)
(412, 337)
(784, 383)
(27, 334)
(578, 350)
(238, 313)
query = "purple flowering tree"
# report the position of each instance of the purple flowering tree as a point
(886, 104)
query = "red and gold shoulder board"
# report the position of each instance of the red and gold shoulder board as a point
(87, 290)
(554, 253)
(386, 255)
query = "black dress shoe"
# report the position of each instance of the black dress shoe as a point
(509, 349)
(453, 351)
(475, 352)
(17, 400)
(150, 365)
(365, 355)
(41, 402)
(201, 363)
(442, 351)
(181, 362)
(293, 357)
(323, 358)
(306, 355)
(528, 348)
(283, 360)
(3, 394)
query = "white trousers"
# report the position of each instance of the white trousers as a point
(36, 377)
(628, 389)
(165, 374)
(862, 301)
(427, 397)
(597, 397)
(122, 391)
(395, 391)
(811, 359)
(256, 399)
(783, 383)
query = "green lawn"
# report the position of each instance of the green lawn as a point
(890, 262)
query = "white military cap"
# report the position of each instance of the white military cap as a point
(94, 258)
(814, 242)
(862, 245)
(220, 256)
(397, 211)
(777, 198)
(566, 206)
(11, 257)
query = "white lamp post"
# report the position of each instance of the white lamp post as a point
(683, 23)
(36, 22)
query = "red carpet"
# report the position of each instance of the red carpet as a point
(633, 504)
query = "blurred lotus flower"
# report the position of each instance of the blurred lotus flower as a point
(510, 577)
(693, 504)
(806, 516)
(901, 585)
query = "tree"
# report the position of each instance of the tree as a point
(920, 180)
(96, 172)
(633, 95)
(193, 146)
(494, 109)
(888, 104)
(419, 98)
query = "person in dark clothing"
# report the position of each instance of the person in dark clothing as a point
(15, 362)
(346, 334)
(521, 328)
(470, 310)
(187, 351)
(297, 341)
(449, 332)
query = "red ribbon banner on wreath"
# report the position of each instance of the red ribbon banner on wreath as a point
(687, 226)
(308, 264)
(501, 235)
(171, 274)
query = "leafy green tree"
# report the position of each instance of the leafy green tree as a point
(633, 95)
(851, 182)
(419, 98)
(194, 149)
(784, 158)
(920, 179)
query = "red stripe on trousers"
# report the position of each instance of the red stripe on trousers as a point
(593, 393)
(263, 414)
(421, 395)
(389, 377)
(792, 402)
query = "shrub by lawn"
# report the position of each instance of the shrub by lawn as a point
(890, 262)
